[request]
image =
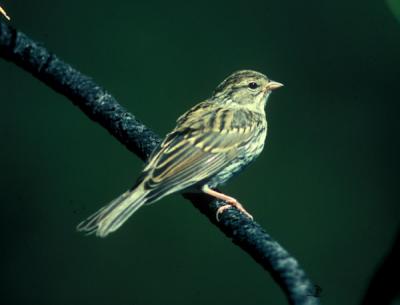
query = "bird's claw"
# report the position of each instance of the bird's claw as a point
(221, 210)
(227, 206)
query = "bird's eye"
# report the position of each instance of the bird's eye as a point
(253, 85)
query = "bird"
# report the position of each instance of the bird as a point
(212, 142)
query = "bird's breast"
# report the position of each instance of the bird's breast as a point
(245, 155)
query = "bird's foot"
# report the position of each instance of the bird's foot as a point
(231, 202)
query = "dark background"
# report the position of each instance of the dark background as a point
(325, 186)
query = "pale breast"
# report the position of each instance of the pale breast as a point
(246, 155)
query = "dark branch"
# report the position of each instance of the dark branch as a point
(102, 108)
(384, 288)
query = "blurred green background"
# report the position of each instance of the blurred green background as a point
(326, 186)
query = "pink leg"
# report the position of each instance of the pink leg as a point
(229, 200)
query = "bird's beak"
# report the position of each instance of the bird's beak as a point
(273, 85)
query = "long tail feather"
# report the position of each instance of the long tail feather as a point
(112, 216)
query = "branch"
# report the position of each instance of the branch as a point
(383, 288)
(102, 108)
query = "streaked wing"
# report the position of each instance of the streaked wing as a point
(199, 147)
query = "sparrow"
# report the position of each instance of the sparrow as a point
(212, 142)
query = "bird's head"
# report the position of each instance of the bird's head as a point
(247, 88)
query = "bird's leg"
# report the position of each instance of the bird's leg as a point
(229, 200)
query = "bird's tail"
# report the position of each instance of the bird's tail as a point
(112, 216)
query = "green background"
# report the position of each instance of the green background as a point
(326, 186)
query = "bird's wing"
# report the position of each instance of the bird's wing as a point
(202, 144)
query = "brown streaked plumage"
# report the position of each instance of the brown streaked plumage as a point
(211, 142)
